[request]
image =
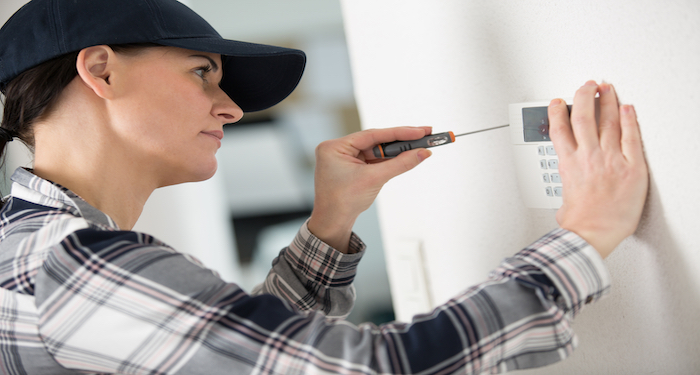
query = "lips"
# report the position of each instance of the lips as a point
(218, 134)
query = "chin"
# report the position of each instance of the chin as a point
(204, 174)
(194, 175)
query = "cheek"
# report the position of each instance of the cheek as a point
(185, 107)
(164, 113)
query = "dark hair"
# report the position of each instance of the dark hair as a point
(32, 95)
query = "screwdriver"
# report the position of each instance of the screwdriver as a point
(392, 149)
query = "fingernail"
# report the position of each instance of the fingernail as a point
(627, 109)
(591, 83)
(604, 88)
(555, 102)
(424, 154)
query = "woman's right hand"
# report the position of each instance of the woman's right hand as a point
(348, 178)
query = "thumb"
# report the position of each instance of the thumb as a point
(404, 162)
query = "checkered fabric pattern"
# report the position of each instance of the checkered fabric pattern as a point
(78, 295)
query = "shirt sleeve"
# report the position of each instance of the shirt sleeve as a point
(314, 276)
(118, 302)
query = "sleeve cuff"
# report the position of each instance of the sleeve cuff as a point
(320, 263)
(573, 266)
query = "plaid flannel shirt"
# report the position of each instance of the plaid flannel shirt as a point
(78, 295)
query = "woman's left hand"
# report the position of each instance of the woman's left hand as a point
(348, 178)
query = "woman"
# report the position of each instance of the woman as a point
(120, 97)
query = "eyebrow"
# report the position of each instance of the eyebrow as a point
(213, 63)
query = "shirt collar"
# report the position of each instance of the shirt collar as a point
(32, 188)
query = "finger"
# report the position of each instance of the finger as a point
(404, 162)
(609, 126)
(367, 139)
(631, 138)
(560, 128)
(583, 120)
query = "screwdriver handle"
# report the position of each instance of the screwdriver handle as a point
(392, 149)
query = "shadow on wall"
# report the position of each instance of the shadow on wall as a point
(677, 292)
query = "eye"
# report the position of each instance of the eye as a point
(203, 71)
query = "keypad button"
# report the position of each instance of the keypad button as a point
(540, 150)
(553, 164)
(545, 178)
(557, 191)
(543, 164)
(550, 150)
(556, 178)
(548, 191)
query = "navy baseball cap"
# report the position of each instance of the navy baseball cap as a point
(256, 76)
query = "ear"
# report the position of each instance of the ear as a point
(95, 65)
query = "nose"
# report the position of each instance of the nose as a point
(225, 109)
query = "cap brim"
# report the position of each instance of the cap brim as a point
(256, 76)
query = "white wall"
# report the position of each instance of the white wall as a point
(268, 19)
(456, 65)
(8, 7)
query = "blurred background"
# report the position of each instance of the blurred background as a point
(238, 221)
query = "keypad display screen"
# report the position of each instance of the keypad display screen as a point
(536, 124)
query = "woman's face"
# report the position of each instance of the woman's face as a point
(171, 111)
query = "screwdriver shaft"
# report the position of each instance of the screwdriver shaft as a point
(482, 130)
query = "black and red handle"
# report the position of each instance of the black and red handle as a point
(392, 149)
